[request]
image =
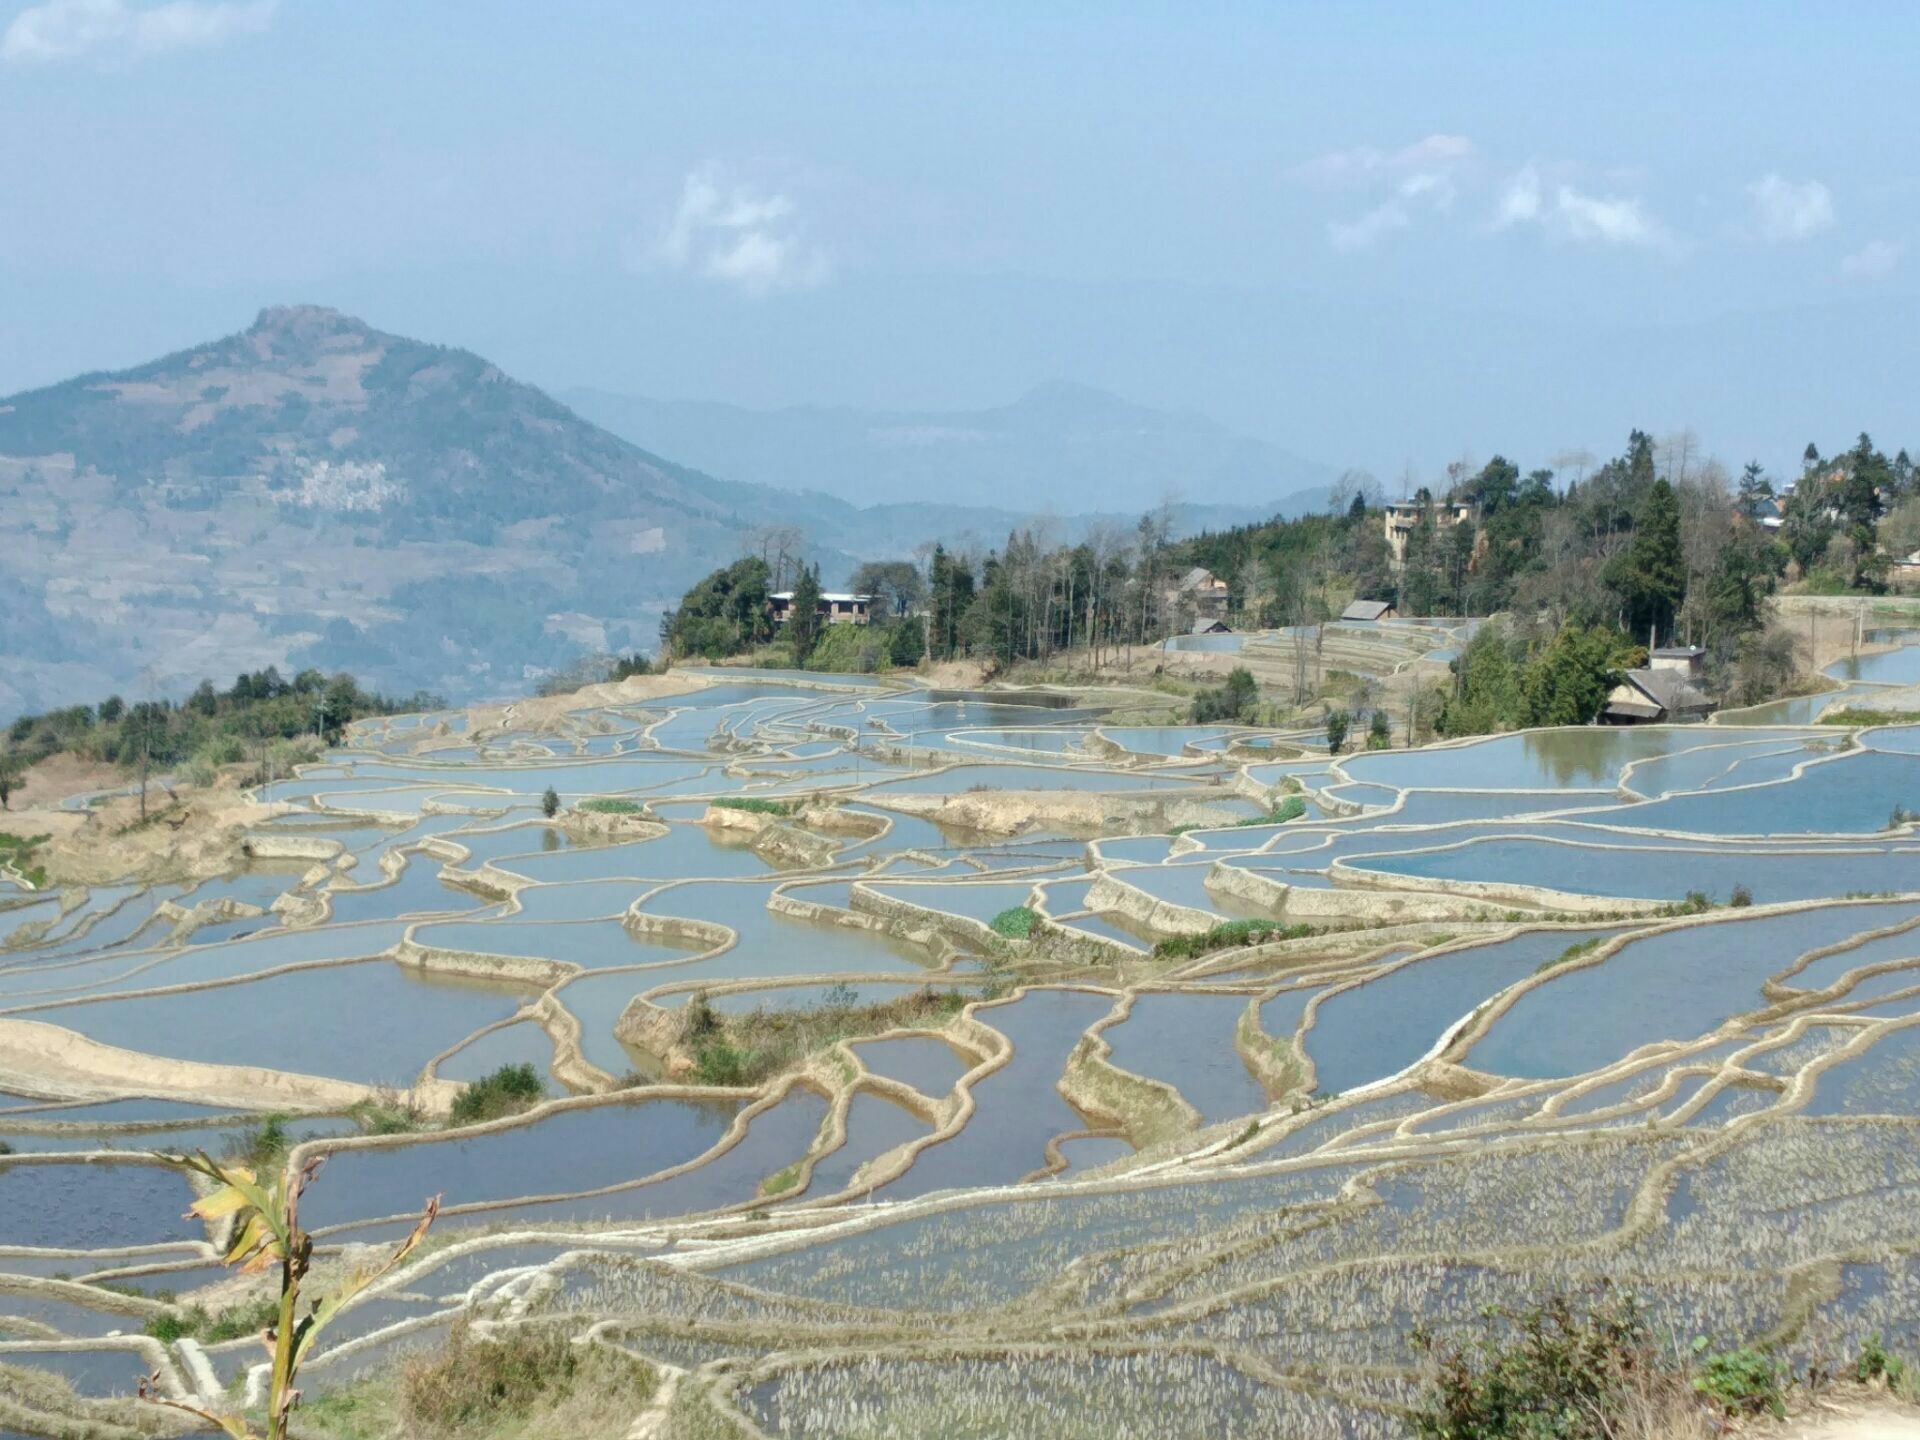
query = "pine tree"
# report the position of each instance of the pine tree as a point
(1655, 578)
(803, 623)
(1337, 723)
(1755, 490)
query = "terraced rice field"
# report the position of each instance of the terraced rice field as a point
(1084, 1166)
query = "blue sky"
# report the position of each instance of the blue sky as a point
(1379, 235)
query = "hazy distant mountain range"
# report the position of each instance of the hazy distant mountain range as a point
(1069, 447)
(313, 491)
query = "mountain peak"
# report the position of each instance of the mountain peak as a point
(1073, 397)
(304, 324)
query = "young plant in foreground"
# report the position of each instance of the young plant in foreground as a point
(1584, 1369)
(265, 1220)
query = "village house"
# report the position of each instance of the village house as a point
(1666, 691)
(1402, 516)
(835, 608)
(1202, 591)
(1363, 612)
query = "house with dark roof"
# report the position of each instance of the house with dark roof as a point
(1201, 591)
(1366, 611)
(1656, 696)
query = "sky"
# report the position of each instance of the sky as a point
(1386, 236)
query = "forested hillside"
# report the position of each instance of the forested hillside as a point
(1656, 546)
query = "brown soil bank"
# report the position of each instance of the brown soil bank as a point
(45, 1059)
(1009, 812)
(194, 834)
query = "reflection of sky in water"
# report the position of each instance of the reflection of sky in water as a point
(379, 1022)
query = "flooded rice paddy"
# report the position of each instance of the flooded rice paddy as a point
(1641, 1004)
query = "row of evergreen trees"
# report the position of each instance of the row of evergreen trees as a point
(223, 726)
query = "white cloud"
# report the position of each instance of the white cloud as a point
(1608, 219)
(1574, 213)
(1789, 211)
(1363, 164)
(1873, 261)
(1520, 200)
(1416, 175)
(113, 30)
(1360, 233)
(729, 233)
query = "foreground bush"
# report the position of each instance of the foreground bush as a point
(1584, 1370)
(1016, 923)
(1233, 700)
(507, 1090)
(537, 1377)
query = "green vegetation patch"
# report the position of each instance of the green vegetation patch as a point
(1016, 922)
(1855, 715)
(1581, 1370)
(231, 1323)
(608, 806)
(264, 1146)
(781, 1181)
(507, 1091)
(1234, 699)
(386, 1112)
(1291, 808)
(754, 805)
(1571, 953)
(262, 718)
(1229, 935)
(745, 1050)
(17, 852)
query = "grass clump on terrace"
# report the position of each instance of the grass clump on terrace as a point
(1016, 922)
(16, 853)
(264, 1146)
(1291, 808)
(1857, 715)
(386, 1112)
(520, 1382)
(1571, 953)
(747, 1049)
(781, 1181)
(1227, 936)
(248, 1318)
(507, 1091)
(754, 805)
(608, 805)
